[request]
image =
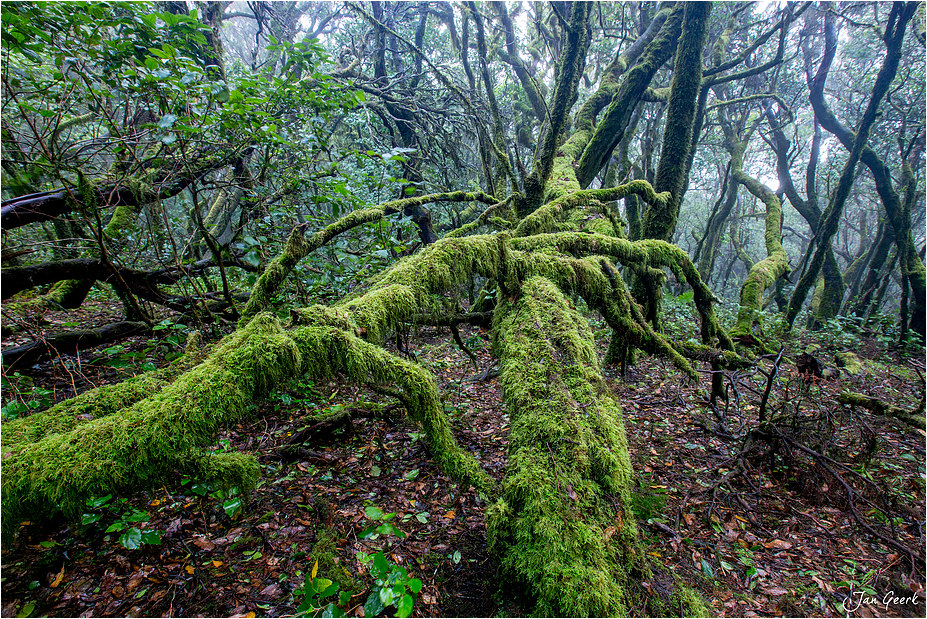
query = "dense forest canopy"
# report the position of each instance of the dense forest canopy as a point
(295, 184)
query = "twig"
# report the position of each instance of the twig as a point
(769, 384)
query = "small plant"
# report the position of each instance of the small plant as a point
(392, 586)
(127, 521)
(173, 344)
(314, 592)
(26, 396)
(230, 499)
(376, 515)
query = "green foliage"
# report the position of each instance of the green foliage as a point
(392, 586)
(314, 591)
(376, 514)
(126, 521)
(21, 396)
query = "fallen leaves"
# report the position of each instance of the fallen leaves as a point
(778, 544)
(202, 543)
(58, 578)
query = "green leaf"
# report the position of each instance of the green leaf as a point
(456, 556)
(167, 121)
(136, 515)
(411, 475)
(119, 525)
(373, 606)
(380, 566)
(415, 585)
(232, 507)
(27, 610)
(404, 608)
(90, 518)
(332, 611)
(151, 537)
(389, 529)
(131, 539)
(373, 512)
(727, 566)
(319, 585)
(387, 596)
(706, 569)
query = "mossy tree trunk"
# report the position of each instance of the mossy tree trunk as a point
(563, 527)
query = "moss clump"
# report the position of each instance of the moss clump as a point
(121, 223)
(848, 362)
(325, 551)
(230, 470)
(146, 444)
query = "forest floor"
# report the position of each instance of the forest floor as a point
(761, 525)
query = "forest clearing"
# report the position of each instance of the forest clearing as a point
(463, 309)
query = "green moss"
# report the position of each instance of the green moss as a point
(564, 530)
(673, 171)
(545, 218)
(849, 362)
(878, 407)
(641, 255)
(122, 222)
(96, 403)
(146, 444)
(326, 350)
(325, 552)
(230, 470)
(763, 274)
(408, 287)
(298, 247)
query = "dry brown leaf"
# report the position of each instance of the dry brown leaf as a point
(58, 578)
(203, 543)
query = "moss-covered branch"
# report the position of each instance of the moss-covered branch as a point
(563, 529)
(764, 273)
(99, 402)
(545, 218)
(147, 443)
(327, 349)
(610, 130)
(298, 246)
(878, 407)
(647, 253)
(570, 67)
